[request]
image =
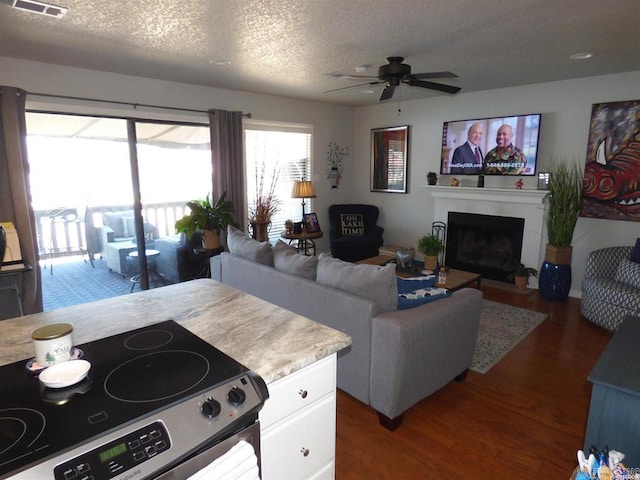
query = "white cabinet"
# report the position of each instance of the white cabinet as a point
(298, 424)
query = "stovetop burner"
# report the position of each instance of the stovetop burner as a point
(133, 375)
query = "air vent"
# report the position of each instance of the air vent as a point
(37, 7)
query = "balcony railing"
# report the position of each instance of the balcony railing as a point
(69, 231)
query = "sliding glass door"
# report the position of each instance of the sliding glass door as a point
(105, 192)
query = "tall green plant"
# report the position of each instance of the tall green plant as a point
(565, 192)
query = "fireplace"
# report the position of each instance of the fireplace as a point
(487, 244)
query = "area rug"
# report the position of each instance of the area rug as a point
(502, 327)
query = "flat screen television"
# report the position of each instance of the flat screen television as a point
(507, 146)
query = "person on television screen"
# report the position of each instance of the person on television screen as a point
(505, 158)
(467, 158)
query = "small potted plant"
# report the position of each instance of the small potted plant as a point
(208, 218)
(432, 178)
(520, 275)
(430, 246)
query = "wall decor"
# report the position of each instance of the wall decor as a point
(335, 165)
(611, 185)
(389, 158)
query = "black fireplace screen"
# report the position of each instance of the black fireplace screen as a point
(486, 244)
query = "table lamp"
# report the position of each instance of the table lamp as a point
(303, 189)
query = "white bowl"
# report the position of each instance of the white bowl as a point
(65, 374)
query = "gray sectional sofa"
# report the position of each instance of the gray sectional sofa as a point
(397, 358)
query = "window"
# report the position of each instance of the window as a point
(287, 149)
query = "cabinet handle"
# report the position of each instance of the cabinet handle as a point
(303, 393)
(305, 452)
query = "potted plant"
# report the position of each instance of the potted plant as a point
(520, 275)
(208, 218)
(265, 205)
(565, 193)
(430, 246)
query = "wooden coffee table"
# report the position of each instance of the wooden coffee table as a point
(456, 279)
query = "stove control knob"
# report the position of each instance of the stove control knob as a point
(236, 396)
(210, 408)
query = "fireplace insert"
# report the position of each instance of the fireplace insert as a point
(490, 245)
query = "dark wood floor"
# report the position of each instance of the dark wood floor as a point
(524, 419)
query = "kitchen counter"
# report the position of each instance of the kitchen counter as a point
(271, 341)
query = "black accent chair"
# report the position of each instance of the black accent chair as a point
(177, 261)
(353, 233)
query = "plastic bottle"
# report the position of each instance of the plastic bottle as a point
(442, 276)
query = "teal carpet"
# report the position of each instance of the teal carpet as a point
(502, 327)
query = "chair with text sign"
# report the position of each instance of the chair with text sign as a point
(353, 232)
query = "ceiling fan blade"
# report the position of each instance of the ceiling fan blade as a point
(347, 76)
(352, 86)
(433, 86)
(387, 93)
(434, 75)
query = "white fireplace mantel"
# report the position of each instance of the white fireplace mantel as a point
(510, 195)
(505, 202)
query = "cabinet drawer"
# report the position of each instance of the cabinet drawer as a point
(296, 391)
(325, 473)
(300, 445)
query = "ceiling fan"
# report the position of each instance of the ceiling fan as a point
(396, 72)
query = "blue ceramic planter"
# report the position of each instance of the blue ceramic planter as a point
(554, 282)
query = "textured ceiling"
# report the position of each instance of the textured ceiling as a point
(287, 47)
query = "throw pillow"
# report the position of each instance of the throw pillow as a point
(287, 259)
(628, 272)
(413, 292)
(352, 224)
(635, 253)
(368, 281)
(246, 247)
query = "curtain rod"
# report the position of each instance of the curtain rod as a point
(115, 102)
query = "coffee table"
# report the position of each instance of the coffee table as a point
(456, 279)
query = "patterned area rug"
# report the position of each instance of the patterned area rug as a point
(502, 327)
(76, 282)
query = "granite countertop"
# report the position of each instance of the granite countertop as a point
(271, 341)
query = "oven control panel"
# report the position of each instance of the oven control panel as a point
(117, 456)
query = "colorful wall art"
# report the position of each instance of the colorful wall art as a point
(611, 185)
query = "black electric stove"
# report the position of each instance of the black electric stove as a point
(153, 396)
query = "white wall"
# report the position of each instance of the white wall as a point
(330, 123)
(566, 109)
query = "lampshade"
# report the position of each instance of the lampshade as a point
(303, 189)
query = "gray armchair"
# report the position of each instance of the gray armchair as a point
(611, 287)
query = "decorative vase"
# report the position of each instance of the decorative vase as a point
(260, 231)
(432, 179)
(210, 239)
(554, 281)
(431, 262)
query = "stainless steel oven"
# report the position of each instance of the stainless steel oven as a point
(158, 402)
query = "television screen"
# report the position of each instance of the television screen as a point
(491, 146)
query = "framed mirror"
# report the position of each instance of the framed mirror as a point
(389, 157)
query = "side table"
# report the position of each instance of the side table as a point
(151, 254)
(615, 396)
(206, 254)
(305, 241)
(13, 273)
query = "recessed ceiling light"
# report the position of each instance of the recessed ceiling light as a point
(221, 63)
(581, 56)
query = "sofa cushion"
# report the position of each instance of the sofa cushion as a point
(413, 292)
(287, 259)
(628, 272)
(122, 223)
(368, 281)
(352, 224)
(635, 253)
(246, 247)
